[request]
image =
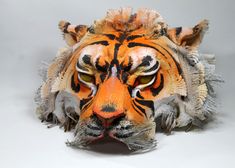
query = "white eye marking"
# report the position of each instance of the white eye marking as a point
(90, 85)
(139, 87)
(138, 54)
(95, 51)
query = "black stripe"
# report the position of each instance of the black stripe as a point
(122, 37)
(110, 36)
(92, 134)
(154, 67)
(105, 43)
(132, 37)
(136, 110)
(156, 91)
(122, 135)
(81, 67)
(84, 102)
(147, 103)
(176, 63)
(128, 67)
(139, 95)
(125, 77)
(75, 87)
(140, 108)
(103, 76)
(116, 48)
(101, 68)
(133, 44)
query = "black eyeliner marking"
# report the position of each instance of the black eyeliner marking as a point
(81, 67)
(75, 87)
(154, 67)
(139, 95)
(130, 88)
(156, 91)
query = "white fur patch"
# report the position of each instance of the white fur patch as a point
(138, 54)
(95, 51)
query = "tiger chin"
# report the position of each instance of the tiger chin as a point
(125, 74)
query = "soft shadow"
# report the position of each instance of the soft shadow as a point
(109, 146)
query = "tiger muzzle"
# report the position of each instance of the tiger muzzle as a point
(109, 103)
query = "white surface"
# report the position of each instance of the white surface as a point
(29, 35)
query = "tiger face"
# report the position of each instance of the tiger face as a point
(121, 74)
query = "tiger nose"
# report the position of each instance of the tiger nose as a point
(107, 114)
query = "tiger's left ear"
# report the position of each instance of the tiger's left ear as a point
(72, 33)
(188, 37)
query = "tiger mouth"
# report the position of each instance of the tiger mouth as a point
(136, 137)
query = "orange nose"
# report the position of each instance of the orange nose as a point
(110, 100)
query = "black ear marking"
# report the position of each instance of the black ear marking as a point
(178, 30)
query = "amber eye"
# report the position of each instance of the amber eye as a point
(145, 79)
(87, 78)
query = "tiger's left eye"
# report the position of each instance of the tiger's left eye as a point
(145, 79)
(87, 78)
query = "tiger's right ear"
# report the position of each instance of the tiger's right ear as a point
(72, 33)
(188, 37)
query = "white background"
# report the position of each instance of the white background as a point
(29, 35)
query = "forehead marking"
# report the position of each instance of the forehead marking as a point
(139, 54)
(95, 51)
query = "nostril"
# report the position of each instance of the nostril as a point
(107, 122)
(108, 108)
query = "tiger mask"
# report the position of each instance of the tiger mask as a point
(119, 76)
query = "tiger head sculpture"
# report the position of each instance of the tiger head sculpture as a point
(119, 75)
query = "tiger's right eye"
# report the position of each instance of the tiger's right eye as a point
(141, 80)
(87, 78)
